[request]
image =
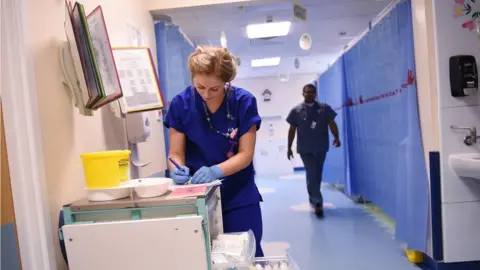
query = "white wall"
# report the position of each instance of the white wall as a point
(65, 133)
(460, 197)
(285, 95)
(425, 63)
(426, 74)
(168, 4)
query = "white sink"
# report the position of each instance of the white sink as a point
(466, 165)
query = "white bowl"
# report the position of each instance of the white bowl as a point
(108, 194)
(151, 187)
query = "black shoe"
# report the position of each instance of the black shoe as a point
(318, 211)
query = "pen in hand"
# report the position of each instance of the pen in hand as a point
(180, 168)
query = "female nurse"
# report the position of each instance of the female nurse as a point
(213, 129)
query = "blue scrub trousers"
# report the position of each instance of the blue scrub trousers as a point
(314, 168)
(243, 219)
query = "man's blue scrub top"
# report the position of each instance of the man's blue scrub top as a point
(312, 127)
(204, 147)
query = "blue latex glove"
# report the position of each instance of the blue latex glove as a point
(207, 175)
(180, 177)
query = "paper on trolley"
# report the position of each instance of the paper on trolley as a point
(191, 190)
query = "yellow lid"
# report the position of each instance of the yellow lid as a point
(106, 154)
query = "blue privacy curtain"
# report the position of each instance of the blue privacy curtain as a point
(332, 90)
(172, 55)
(385, 152)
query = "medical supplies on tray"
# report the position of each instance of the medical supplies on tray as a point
(236, 251)
(274, 263)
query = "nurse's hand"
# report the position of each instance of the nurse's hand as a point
(180, 177)
(207, 175)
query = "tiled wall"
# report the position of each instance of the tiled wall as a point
(460, 197)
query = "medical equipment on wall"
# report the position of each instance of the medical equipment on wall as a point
(87, 62)
(463, 75)
(138, 127)
(97, 74)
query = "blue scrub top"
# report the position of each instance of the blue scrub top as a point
(205, 147)
(312, 127)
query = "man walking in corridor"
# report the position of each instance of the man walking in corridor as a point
(311, 120)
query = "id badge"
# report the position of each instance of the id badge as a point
(314, 124)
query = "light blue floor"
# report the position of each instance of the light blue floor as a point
(346, 239)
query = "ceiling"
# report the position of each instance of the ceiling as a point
(325, 20)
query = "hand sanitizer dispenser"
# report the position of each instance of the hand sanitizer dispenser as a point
(463, 75)
(138, 127)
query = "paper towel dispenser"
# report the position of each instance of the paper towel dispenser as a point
(463, 75)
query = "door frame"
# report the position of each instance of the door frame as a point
(23, 139)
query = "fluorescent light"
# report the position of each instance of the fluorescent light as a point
(266, 62)
(271, 29)
(223, 39)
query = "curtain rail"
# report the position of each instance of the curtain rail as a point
(180, 30)
(372, 23)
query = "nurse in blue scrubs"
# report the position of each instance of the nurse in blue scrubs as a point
(213, 127)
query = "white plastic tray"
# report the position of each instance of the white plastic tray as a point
(151, 187)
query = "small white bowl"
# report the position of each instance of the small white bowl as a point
(151, 187)
(108, 194)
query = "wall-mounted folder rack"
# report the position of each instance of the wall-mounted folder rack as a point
(97, 75)
(87, 60)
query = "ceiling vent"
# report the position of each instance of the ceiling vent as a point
(159, 17)
(271, 41)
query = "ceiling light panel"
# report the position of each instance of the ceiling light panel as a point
(271, 29)
(266, 62)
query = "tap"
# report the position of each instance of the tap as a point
(469, 139)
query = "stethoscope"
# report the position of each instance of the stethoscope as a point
(230, 117)
(231, 133)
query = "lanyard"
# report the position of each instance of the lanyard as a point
(304, 111)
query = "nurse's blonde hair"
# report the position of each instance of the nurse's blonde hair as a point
(216, 61)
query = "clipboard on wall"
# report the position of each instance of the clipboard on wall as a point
(139, 80)
(75, 51)
(87, 55)
(92, 53)
(104, 58)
